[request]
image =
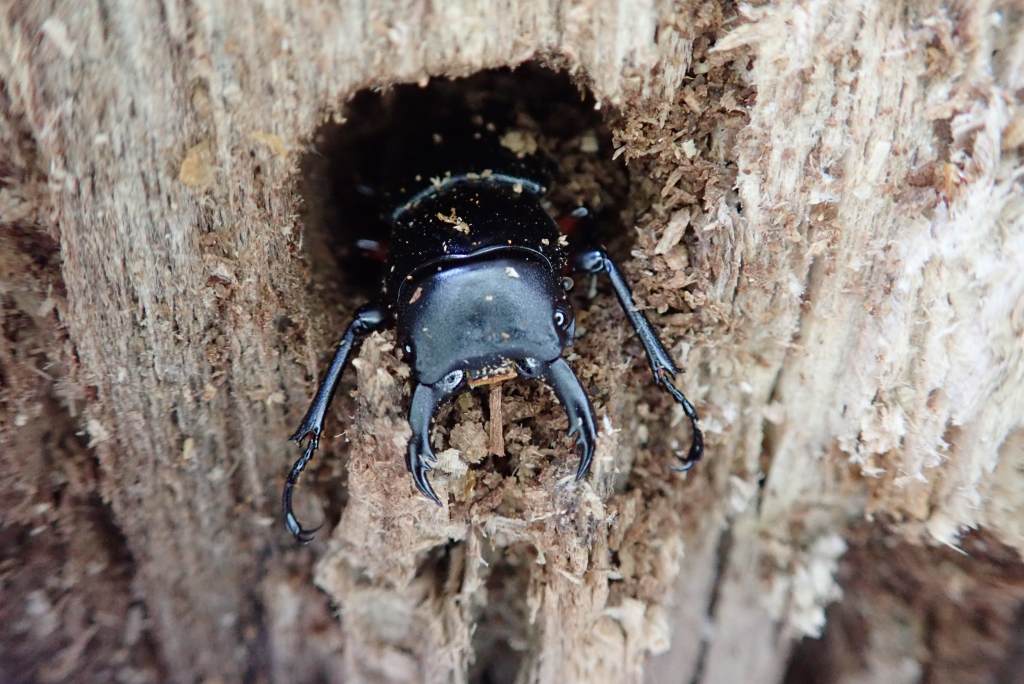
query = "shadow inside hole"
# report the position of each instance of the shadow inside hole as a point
(354, 160)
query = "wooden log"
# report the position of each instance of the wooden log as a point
(829, 228)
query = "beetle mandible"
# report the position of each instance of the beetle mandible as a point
(476, 287)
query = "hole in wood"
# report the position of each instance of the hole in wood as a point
(355, 158)
(345, 235)
(365, 151)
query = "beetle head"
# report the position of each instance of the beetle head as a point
(483, 315)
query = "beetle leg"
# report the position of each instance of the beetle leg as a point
(366, 320)
(420, 456)
(596, 260)
(302, 534)
(559, 376)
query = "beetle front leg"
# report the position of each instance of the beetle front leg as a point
(420, 456)
(595, 261)
(366, 320)
(559, 376)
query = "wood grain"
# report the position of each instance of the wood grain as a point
(830, 226)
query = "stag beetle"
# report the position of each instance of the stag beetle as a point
(476, 285)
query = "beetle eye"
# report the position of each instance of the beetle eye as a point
(562, 319)
(452, 380)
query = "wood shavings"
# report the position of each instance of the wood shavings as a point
(276, 144)
(197, 168)
(456, 222)
(673, 232)
(588, 143)
(495, 432)
(57, 31)
(521, 143)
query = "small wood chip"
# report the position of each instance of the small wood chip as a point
(673, 232)
(276, 144)
(521, 143)
(197, 169)
(495, 434)
(455, 221)
(588, 143)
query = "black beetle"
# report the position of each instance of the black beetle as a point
(476, 285)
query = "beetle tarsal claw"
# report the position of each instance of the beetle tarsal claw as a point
(697, 442)
(596, 260)
(303, 432)
(366, 320)
(302, 534)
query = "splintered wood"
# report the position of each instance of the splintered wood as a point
(496, 434)
(822, 214)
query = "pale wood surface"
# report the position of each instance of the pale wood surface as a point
(857, 342)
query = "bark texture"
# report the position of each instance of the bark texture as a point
(829, 226)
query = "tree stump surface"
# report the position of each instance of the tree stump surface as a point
(829, 229)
